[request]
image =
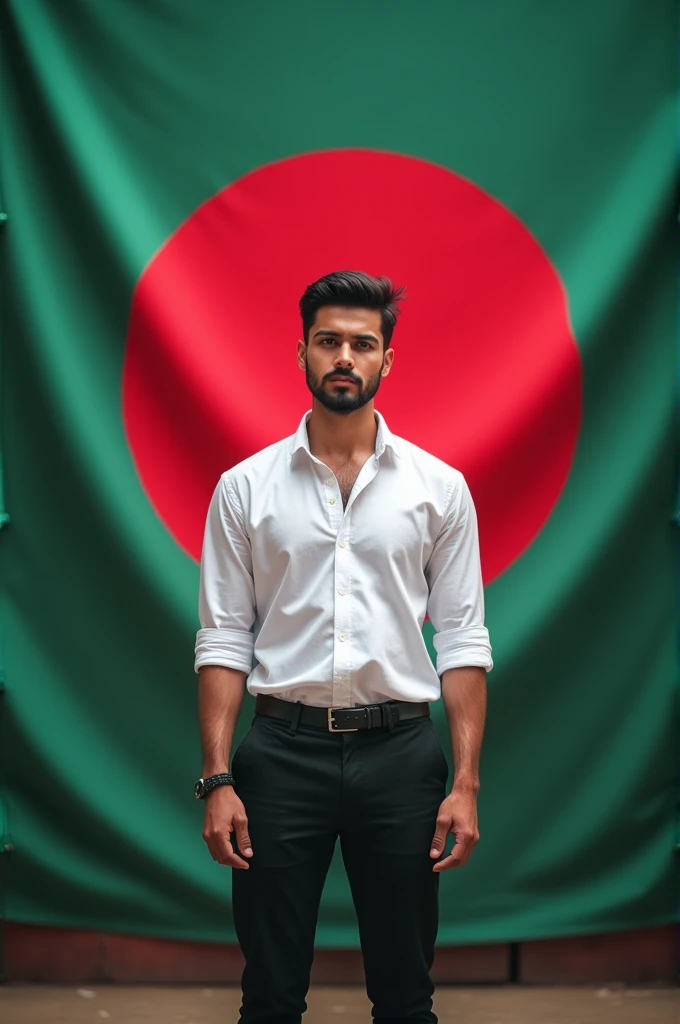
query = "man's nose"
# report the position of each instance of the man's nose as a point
(344, 355)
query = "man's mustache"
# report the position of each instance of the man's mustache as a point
(347, 376)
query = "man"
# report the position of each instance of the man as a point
(322, 555)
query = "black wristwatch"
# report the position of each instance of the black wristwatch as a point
(203, 786)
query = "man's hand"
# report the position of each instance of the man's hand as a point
(224, 814)
(457, 814)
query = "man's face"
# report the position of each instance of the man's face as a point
(344, 359)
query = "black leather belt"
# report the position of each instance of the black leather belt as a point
(368, 716)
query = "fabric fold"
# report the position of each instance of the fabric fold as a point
(230, 648)
(468, 646)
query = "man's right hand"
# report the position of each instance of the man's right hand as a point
(224, 814)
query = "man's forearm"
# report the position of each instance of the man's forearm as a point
(464, 696)
(220, 693)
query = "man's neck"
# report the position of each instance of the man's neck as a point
(341, 436)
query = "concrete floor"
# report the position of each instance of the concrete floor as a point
(34, 1004)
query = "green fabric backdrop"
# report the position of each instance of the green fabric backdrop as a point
(118, 119)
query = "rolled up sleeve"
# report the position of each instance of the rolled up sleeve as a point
(454, 577)
(226, 603)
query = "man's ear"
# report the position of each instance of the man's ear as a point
(302, 354)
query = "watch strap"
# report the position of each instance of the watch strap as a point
(213, 781)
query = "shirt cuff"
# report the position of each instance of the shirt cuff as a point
(230, 648)
(463, 648)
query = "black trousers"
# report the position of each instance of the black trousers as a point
(379, 792)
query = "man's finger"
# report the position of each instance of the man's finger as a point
(242, 837)
(227, 856)
(454, 859)
(439, 839)
(460, 854)
(223, 852)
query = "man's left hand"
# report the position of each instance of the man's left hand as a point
(457, 814)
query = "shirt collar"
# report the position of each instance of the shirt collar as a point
(384, 438)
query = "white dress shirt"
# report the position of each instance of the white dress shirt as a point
(325, 605)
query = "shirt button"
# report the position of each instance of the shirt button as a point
(342, 637)
(342, 544)
(332, 501)
(329, 482)
(341, 591)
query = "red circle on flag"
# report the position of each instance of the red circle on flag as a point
(486, 374)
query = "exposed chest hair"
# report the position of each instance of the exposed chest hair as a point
(346, 476)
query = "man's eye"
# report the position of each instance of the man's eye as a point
(331, 341)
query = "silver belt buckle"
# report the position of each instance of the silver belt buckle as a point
(331, 727)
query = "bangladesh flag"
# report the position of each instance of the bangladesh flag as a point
(173, 176)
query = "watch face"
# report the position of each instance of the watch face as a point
(198, 789)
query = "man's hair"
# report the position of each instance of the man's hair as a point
(352, 288)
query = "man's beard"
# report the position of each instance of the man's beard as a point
(344, 401)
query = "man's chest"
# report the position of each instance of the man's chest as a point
(348, 512)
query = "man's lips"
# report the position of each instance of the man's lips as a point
(342, 380)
